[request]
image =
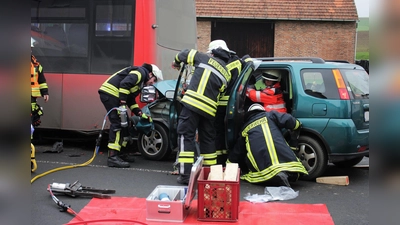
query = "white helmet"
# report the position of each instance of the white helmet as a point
(217, 44)
(32, 42)
(256, 106)
(157, 72)
(272, 75)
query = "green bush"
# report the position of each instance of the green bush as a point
(362, 55)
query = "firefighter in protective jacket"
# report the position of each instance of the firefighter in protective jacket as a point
(39, 88)
(200, 101)
(120, 89)
(234, 65)
(262, 152)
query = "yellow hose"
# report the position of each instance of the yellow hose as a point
(64, 168)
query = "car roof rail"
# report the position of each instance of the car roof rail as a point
(338, 61)
(312, 59)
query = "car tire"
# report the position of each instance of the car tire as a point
(155, 146)
(312, 155)
(348, 163)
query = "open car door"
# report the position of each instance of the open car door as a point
(176, 106)
(236, 107)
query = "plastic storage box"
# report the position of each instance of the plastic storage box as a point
(217, 200)
(176, 208)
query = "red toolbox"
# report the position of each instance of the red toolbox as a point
(175, 202)
(217, 200)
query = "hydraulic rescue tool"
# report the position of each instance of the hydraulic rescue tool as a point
(76, 189)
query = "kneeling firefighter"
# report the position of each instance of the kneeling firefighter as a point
(262, 151)
(120, 90)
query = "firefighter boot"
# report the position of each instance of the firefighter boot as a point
(115, 161)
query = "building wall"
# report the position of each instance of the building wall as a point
(328, 40)
(203, 35)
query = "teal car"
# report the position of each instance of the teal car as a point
(330, 98)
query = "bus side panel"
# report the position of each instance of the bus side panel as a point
(82, 90)
(176, 31)
(52, 110)
(145, 35)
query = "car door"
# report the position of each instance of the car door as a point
(235, 109)
(176, 106)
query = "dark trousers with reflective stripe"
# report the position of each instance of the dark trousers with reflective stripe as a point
(188, 123)
(220, 146)
(115, 135)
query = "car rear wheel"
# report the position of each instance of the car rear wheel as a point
(155, 146)
(313, 157)
(349, 163)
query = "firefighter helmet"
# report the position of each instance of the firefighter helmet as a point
(256, 106)
(217, 44)
(272, 75)
(157, 72)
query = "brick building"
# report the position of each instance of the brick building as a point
(279, 28)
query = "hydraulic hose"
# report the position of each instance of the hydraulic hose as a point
(96, 150)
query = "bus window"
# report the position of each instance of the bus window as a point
(112, 42)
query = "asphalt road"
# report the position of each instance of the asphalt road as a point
(348, 205)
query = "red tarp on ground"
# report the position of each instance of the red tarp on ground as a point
(249, 213)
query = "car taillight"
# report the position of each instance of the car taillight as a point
(343, 93)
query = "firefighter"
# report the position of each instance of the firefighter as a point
(121, 89)
(39, 88)
(271, 96)
(262, 152)
(210, 78)
(234, 65)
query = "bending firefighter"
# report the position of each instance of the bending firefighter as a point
(262, 152)
(120, 90)
(200, 101)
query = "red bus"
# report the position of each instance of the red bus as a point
(80, 43)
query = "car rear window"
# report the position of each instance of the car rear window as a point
(319, 83)
(357, 82)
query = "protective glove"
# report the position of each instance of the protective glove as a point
(144, 116)
(175, 65)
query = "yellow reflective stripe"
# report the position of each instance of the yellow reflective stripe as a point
(248, 59)
(254, 124)
(43, 85)
(134, 106)
(190, 59)
(209, 159)
(115, 145)
(235, 64)
(225, 151)
(139, 75)
(250, 154)
(124, 91)
(297, 125)
(224, 98)
(186, 157)
(207, 100)
(270, 172)
(203, 82)
(199, 105)
(134, 89)
(36, 92)
(40, 69)
(218, 152)
(221, 69)
(110, 89)
(270, 143)
(186, 154)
